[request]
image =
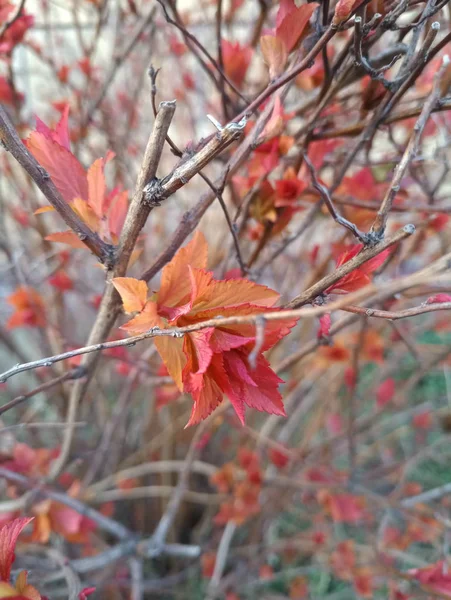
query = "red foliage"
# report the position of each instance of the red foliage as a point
(211, 362)
(359, 277)
(385, 392)
(29, 308)
(434, 578)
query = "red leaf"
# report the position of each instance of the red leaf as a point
(438, 298)
(64, 169)
(343, 10)
(291, 26)
(118, 206)
(85, 592)
(278, 458)
(15, 33)
(325, 322)
(385, 392)
(9, 534)
(61, 281)
(60, 134)
(7, 95)
(359, 277)
(422, 420)
(236, 60)
(286, 7)
(435, 578)
(344, 508)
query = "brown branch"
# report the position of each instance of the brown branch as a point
(380, 221)
(130, 544)
(305, 63)
(118, 61)
(327, 199)
(361, 258)
(352, 130)
(342, 303)
(158, 190)
(70, 375)
(192, 217)
(110, 306)
(13, 144)
(161, 532)
(393, 315)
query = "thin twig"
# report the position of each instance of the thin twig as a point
(380, 222)
(110, 305)
(326, 197)
(221, 559)
(365, 255)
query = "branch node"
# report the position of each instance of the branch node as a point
(153, 193)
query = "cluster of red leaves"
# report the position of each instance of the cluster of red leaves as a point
(21, 590)
(276, 202)
(359, 277)
(345, 566)
(14, 34)
(343, 507)
(102, 210)
(29, 308)
(49, 515)
(435, 578)
(213, 361)
(291, 22)
(242, 481)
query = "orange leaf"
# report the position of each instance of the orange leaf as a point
(144, 321)
(133, 293)
(175, 285)
(66, 237)
(25, 589)
(86, 213)
(274, 53)
(171, 352)
(226, 295)
(96, 184)
(44, 209)
(275, 124)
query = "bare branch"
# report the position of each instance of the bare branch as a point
(380, 222)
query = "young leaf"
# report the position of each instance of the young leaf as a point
(292, 25)
(9, 535)
(133, 293)
(274, 53)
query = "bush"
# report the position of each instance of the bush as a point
(225, 252)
